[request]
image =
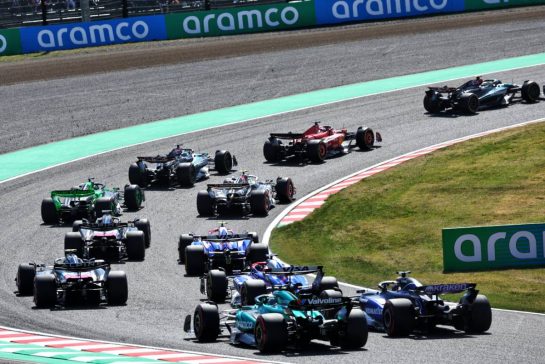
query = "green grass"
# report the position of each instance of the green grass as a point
(393, 220)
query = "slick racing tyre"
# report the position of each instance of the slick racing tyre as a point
(76, 225)
(530, 91)
(73, 241)
(257, 253)
(357, 332)
(144, 226)
(205, 204)
(25, 279)
(194, 260)
(184, 241)
(260, 203)
(398, 316)
(328, 282)
(45, 291)
(136, 245)
(285, 190)
(206, 322)
(117, 289)
(272, 151)
(316, 151)
(432, 104)
(223, 162)
(469, 103)
(254, 236)
(104, 205)
(186, 174)
(216, 286)
(365, 138)
(50, 216)
(271, 332)
(138, 176)
(479, 316)
(133, 197)
(252, 288)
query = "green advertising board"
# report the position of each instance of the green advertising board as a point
(495, 4)
(10, 42)
(493, 247)
(241, 20)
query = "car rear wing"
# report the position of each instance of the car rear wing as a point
(99, 227)
(317, 303)
(72, 193)
(287, 135)
(443, 90)
(228, 185)
(295, 270)
(84, 266)
(215, 239)
(437, 289)
(156, 159)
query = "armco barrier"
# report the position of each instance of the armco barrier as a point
(493, 247)
(89, 34)
(10, 42)
(241, 20)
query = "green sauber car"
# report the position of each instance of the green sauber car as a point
(281, 319)
(88, 201)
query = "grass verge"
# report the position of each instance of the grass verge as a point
(393, 220)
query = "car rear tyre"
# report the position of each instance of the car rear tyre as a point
(194, 260)
(144, 226)
(285, 190)
(186, 174)
(104, 205)
(138, 176)
(398, 316)
(365, 138)
(260, 203)
(25, 279)
(223, 162)
(479, 317)
(432, 104)
(76, 225)
(328, 282)
(216, 285)
(73, 241)
(272, 151)
(254, 236)
(530, 91)
(206, 322)
(184, 241)
(136, 245)
(117, 289)
(357, 331)
(316, 150)
(469, 103)
(50, 215)
(204, 204)
(252, 288)
(45, 291)
(257, 252)
(271, 332)
(133, 197)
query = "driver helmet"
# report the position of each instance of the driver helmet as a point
(478, 81)
(260, 266)
(71, 258)
(106, 220)
(223, 233)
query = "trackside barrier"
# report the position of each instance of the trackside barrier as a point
(229, 21)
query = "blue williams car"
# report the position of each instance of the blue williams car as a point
(280, 319)
(264, 277)
(180, 166)
(404, 305)
(244, 194)
(479, 94)
(221, 248)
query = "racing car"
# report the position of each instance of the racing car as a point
(280, 319)
(477, 94)
(244, 194)
(266, 276)
(220, 248)
(180, 166)
(72, 280)
(110, 239)
(404, 305)
(88, 201)
(317, 143)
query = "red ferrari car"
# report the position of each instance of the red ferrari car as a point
(318, 143)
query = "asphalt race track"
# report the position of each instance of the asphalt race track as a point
(159, 294)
